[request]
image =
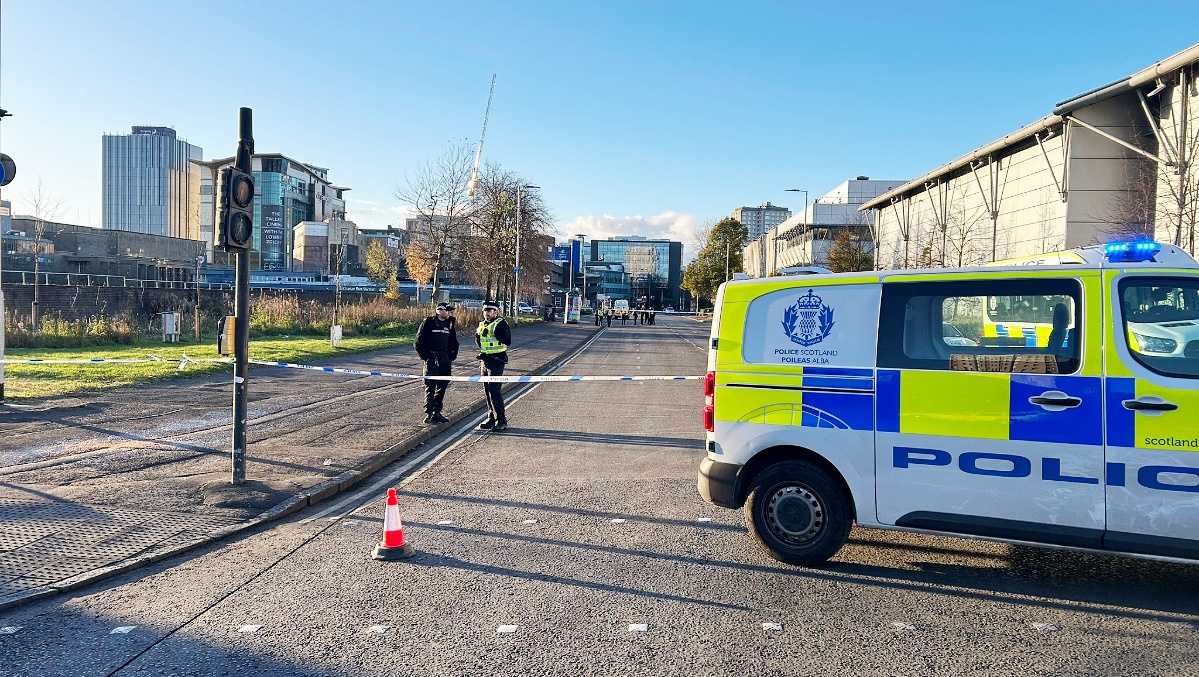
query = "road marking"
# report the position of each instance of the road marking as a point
(529, 522)
(10, 630)
(123, 630)
(249, 628)
(638, 627)
(905, 627)
(1045, 627)
(445, 522)
(506, 629)
(772, 627)
(379, 629)
(618, 521)
(704, 519)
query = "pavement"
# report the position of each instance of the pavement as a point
(97, 484)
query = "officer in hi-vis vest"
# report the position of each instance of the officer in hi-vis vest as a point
(493, 338)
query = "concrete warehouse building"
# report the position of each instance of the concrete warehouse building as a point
(1113, 162)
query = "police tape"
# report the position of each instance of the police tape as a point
(99, 360)
(473, 379)
(185, 360)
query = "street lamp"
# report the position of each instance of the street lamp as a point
(516, 268)
(583, 265)
(437, 263)
(726, 257)
(335, 330)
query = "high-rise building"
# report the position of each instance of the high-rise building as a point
(758, 220)
(150, 184)
(654, 267)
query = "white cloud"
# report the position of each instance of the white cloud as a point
(372, 215)
(665, 226)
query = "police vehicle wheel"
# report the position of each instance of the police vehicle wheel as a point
(798, 513)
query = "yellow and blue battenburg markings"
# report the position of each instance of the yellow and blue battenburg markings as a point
(822, 397)
(1033, 334)
(989, 406)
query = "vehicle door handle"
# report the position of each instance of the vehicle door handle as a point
(1149, 404)
(1055, 400)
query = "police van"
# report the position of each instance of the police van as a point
(1050, 403)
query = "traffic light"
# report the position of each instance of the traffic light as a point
(236, 211)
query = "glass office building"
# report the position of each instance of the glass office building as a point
(287, 192)
(150, 184)
(653, 267)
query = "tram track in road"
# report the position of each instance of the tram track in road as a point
(124, 441)
(398, 474)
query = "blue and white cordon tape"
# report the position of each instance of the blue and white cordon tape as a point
(475, 379)
(362, 372)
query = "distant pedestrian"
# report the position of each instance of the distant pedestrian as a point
(493, 338)
(437, 345)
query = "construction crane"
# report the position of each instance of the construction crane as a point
(474, 173)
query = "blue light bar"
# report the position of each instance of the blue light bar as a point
(1131, 252)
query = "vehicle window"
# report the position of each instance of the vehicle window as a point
(1161, 323)
(1026, 326)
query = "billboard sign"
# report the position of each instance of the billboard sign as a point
(273, 244)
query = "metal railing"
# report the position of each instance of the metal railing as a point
(89, 280)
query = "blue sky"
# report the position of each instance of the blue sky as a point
(635, 118)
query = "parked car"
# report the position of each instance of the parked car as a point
(668, 309)
(524, 308)
(954, 336)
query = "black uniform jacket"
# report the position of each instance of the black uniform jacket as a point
(436, 336)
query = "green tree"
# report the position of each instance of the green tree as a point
(720, 257)
(849, 253)
(382, 266)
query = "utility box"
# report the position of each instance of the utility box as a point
(171, 324)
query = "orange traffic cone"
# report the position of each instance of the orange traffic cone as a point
(393, 546)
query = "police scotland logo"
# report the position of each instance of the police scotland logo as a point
(808, 321)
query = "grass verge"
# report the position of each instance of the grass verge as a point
(23, 382)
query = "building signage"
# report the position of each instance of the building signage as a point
(273, 241)
(156, 131)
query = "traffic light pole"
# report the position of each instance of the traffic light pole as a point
(241, 345)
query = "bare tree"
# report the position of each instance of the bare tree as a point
(491, 247)
(437, 194)
(1048, 234)
(1177, 193)
(964, 241)
(1129, 213)
(1005, 247)
(46, 207)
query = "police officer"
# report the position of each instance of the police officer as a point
(437, 345)
(493, 338)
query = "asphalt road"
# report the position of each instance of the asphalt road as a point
(575, 543)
